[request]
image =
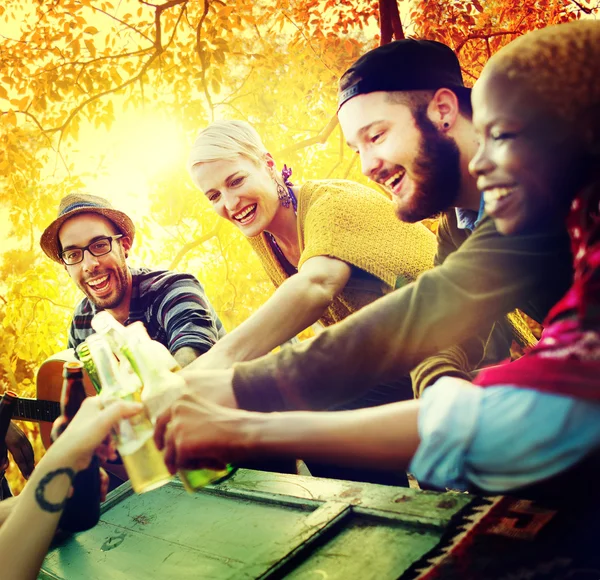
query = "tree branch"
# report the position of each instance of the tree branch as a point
(582, 8)
(38, 298)
(482, 36)
(93, 60)
(200, 54)
(320, 138)
(42, 132)
(396, 22)
(385, 24)
(165, 6)
(308, 42)
(159, 9)
(97, 96)
(194, 244)
(126, 24)
(158, 49)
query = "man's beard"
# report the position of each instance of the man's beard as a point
(119, 279)
(436, 171)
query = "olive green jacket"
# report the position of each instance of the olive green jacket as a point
(442, 314)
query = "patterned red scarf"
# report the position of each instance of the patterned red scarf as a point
(567, 359)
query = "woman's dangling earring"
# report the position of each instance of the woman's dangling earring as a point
(283, 194)
(284, 190)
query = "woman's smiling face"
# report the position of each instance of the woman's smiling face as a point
(525, 165)
(240, 191)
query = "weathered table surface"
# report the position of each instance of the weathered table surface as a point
(257, 525)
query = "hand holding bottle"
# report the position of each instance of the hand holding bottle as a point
(162, 385)
(197, 434)
(143, 462)
(27, 532)
(88, 432)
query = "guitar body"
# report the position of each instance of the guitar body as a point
(48, 385)
(49, 381)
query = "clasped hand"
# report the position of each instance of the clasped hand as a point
(196, 433)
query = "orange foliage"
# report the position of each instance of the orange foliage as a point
(71, 69)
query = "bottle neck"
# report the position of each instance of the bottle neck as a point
(156, 378)
(73, 394)
(137, 354)
(83, 352)
(106, 366)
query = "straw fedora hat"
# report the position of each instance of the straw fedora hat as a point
(75, 204)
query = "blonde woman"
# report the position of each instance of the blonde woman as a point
(329, 246)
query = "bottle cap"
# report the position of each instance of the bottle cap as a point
(72, 368)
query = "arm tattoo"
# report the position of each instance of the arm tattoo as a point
(39, 492)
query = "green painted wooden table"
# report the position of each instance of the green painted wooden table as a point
(257, 525)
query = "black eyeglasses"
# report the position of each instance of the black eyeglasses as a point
(99, 247)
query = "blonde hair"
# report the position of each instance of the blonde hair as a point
(227, 140)
(560, 66)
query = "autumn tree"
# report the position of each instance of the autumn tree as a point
(74, 68)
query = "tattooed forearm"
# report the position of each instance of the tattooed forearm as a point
(46, 505)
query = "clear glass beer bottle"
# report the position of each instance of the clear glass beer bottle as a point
(156, 368)
(134, 438)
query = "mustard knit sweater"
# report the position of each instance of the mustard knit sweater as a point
(356, 224)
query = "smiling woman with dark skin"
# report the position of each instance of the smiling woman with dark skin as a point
(537, 113)
(520, 139)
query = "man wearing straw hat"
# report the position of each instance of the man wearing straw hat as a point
(92, 240)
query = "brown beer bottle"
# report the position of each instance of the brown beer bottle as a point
(82, 511)
(7, 404)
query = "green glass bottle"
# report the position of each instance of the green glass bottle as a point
(83, 354)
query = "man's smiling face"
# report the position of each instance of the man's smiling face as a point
(404, 151)
(103, 279)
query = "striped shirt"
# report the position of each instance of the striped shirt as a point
(172, 306)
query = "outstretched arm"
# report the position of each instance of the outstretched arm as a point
(195, 433)
(23, 545)
(486, 278)
(296, 304)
